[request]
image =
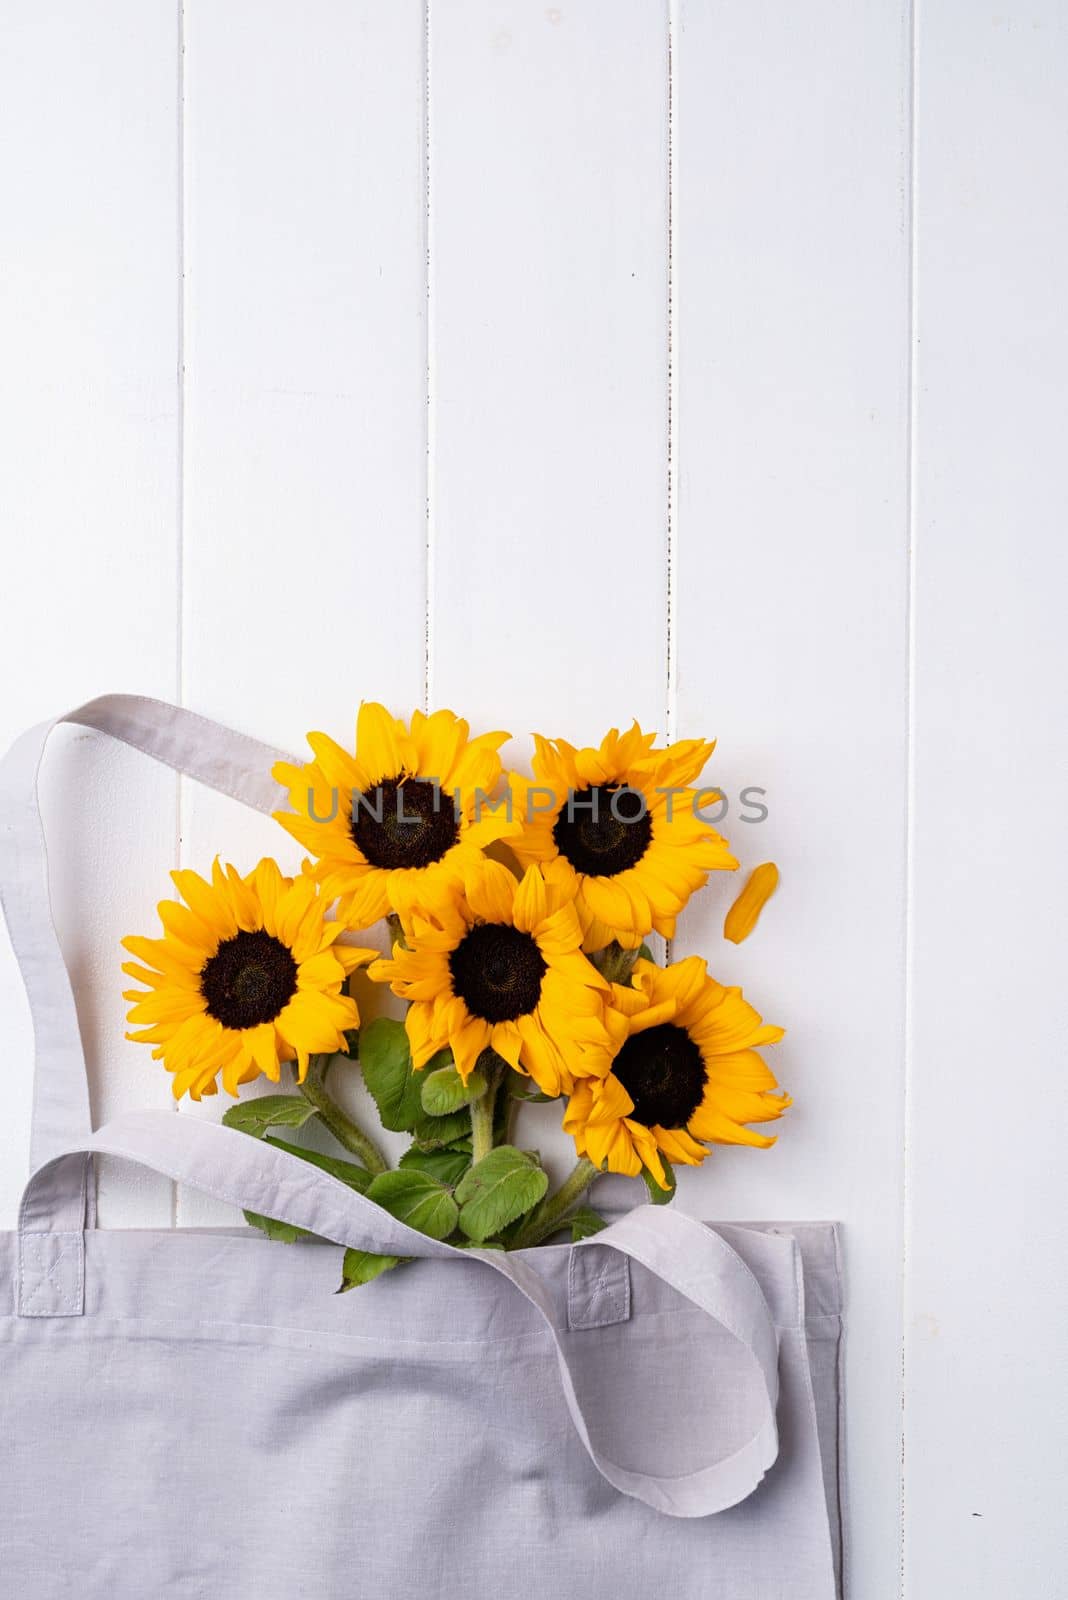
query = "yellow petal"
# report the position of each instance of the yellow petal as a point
(338, 768)
(352, 956)
(742, 917)
(531, 901)
(307, 1022)
(490, 890)
(422, 1038)
(185, 929)
(717, 1128)
(202, 900)
(263, 1048)
(610, 1100)
(469, 1043)
(383, 748)
(541, 1058)
(577, 1111)
(508, 1042)
(679, 1147)
(653, 1015)
(611, 1145)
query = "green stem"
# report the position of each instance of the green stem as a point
(552, 1213)
(511, 1106)
(482, 1122)
(347, 1133)
(484, 1109)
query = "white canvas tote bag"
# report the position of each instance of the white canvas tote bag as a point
(196, 1413)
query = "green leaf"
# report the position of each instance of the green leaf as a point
(660, 1197)
(502, 1186)
(447, 1166)
(418, 1200)
(585, 1223)
(434, 1133)
(645, 954)
(387, 1071)
(269, 1111)
(283, 1232)
(444, 1090)
(349, 1172)
(362, 1266)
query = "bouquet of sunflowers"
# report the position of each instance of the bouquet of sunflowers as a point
(518, 910)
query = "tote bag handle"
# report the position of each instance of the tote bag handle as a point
(253, 1174)
(225, 1163)
(194, 747)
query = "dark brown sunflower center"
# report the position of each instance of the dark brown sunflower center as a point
(404, 822)
(603, 830)
(248, 980)
(497, 972)
(662, 1071)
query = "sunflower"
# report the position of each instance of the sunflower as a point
(495, 963)
(685, 1074)
(246, 976)
(409, 803)
(618, 830)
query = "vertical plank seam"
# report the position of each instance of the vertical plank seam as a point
(911, 57)
(671, 608)
(179, 684)
(428, 313)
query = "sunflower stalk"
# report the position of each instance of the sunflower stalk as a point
(347, 1132)
(554, 1210)
(482, 1111)
(506, 1114)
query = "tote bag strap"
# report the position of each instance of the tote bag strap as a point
(191, 745)
(227, 761)
(225, 1163)
(699, 1264)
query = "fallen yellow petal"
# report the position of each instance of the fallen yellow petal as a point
(742, 917)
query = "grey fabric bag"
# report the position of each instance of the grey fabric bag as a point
(196, 1413)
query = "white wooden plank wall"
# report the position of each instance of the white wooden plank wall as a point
(89, 493)
(791, 268)
(305, 434)
(987, 1293)
(699, 361)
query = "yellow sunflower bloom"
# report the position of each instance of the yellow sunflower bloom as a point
(685, 1074)
(495, 963)
(410, 802)
(618, 830)
(246, 976)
